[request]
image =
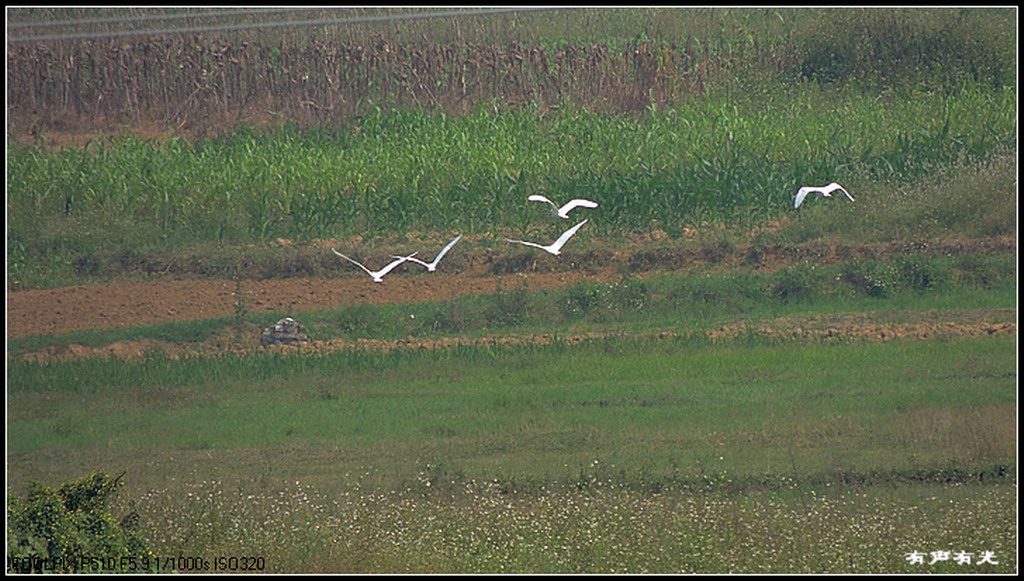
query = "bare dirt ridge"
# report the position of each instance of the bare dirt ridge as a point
(284, 259)
(142, 303)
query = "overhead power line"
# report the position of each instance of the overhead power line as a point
(166, 16)
(275, 24)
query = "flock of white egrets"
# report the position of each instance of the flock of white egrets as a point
(556, 246)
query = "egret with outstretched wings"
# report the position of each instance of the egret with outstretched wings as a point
(556, 246)
(824, 191)
(432, 266)
(378, 275)
(563, 212)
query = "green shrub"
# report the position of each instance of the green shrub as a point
(457, 315)
(71, 530)
(921, 273)
(734, 293)
(581, 299)
(360, 321)
(508, 308)
(985, 271)
(873, 278)
(796, 283)
(601, 300)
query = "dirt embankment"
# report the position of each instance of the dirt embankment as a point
(862, 326)
(139, 304)
(128, 304)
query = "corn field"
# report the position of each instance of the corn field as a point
(183, 82)
(610, 60)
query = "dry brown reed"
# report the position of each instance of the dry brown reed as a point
(186, 82)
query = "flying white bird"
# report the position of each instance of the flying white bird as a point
(563, 212)
(432, 266)
(824, 190)
(379, 275)
(556, 246)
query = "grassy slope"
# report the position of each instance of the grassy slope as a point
(412, 172)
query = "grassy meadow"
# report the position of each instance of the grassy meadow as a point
(473, 459)
(653, 446)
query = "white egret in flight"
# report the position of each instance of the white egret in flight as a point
(377, 276)
(824, 190)
(432, 266)
(563, 212)
(556, 246)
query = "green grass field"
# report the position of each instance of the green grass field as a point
(622, 454)
(637, 391)
(522, 444)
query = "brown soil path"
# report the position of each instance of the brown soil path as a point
(129, 304)
(92, 308)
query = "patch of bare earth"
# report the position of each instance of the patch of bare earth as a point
(129, 304)
(143, 303)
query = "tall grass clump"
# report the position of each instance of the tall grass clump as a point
(939, 48)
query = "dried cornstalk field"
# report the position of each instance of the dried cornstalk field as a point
(184, 82)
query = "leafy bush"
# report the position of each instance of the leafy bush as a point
(71, 529)
(795, 283)
(508, 308)
(454, 316)
(985, 271)
(736, 292)
(922, 273)
(873, 278)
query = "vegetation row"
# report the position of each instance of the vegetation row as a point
(406, 171)
(327, 74)
(698, 300)
(720, 116)
(444, 524)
